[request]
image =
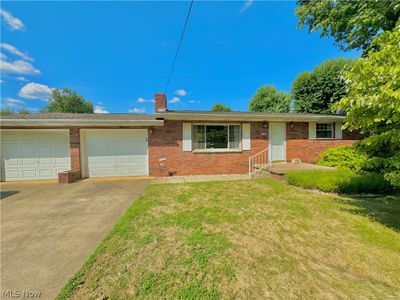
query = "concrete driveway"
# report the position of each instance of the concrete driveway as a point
(49, 230)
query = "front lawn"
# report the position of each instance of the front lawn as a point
(246, 239)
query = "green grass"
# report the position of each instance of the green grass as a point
(340, 181)
(245, 239)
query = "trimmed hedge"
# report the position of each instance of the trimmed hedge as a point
(345, 158)
(340, 181)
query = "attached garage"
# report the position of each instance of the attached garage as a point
(34, 154)
(114, 152)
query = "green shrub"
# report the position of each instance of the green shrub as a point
(346, 158)
(340, 181)
(389, 166)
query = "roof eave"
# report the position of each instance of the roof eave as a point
(248, 117)
(74, 122)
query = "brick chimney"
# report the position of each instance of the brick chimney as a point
(160, 103)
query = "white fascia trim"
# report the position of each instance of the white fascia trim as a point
(74, 122)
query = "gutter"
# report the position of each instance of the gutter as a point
(77, 122)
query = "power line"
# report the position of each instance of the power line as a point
(179, 46)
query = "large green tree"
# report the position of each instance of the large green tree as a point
(353, 24)
(316, 91)
(269, 99)
(373, 104)
(68, 101)
(220, 107)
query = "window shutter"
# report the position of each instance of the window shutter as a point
(187, 137)
(338, 130)
(246, 141)
(312, 130)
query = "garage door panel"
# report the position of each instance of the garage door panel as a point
(125, 159)
(27, 162)
(35, 154)
(26, 138)
(62, 160)
(109, 172)
(6, 138)
(46, 172)
(116, 153)
(28, 173)
(28, 150)
(96, 172)
(11, 150)
(13, 174)
(60, 149)
(141, 169)
(47, 161)
(12, 162)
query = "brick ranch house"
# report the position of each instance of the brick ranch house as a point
(73, 146)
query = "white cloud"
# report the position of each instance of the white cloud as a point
(100, 110)
(193, 101)
(180, 92)
(175, 100)
(142, 100)
(18, 67)
(13, 22)
(35, 91)
(13, 102)
(21, 78)
(246, 5)
(15, 51)
(137, 110)
(3, 57)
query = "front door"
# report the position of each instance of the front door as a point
(277, 141)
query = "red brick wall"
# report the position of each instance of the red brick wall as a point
(166, 143)
(75, 150)
(69, 176)
(299, 146)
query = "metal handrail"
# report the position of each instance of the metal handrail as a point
(258, 162)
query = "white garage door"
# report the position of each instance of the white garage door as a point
(120, 152)
(34, 154)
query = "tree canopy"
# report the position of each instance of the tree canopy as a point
(220, 107)
(373, 104)
(9, 111)
(353, 24)
(316, 91)
(269, 99)
(68, 101)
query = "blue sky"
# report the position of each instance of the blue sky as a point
(118, 54)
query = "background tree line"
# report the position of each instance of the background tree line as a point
(312, 92)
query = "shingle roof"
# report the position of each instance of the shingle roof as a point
(71, 116)
(189, 115)
(246, 116)
(246, 113)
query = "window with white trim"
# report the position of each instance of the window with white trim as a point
(324, 131)
(216, 137)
